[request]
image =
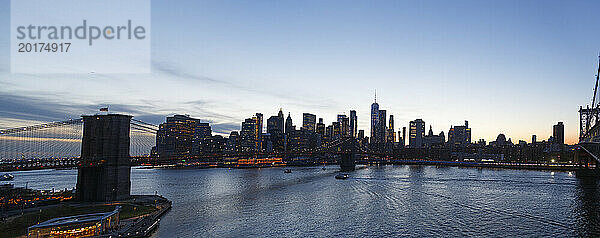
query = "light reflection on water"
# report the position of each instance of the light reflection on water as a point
(375, 201)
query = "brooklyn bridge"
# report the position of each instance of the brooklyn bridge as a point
(59, 145)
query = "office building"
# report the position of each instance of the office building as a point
(459, 136)
(353, 123)
(309, 122)
(417, 132)
(558, 133)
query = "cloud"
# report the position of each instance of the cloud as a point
(182, 74)
(225, 128)
(173, 71)
(44, 109)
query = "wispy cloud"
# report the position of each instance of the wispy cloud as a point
(182, 74)
(169, 69)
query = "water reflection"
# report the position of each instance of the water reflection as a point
(587, 207)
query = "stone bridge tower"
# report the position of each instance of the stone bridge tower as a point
(104, 172)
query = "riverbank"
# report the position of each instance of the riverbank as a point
(137, 214)
(496, 165)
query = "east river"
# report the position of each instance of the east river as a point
(386, 201)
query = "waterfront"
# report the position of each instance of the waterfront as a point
(375, 201)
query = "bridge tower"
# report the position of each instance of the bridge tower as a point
(104, 172)
(348, 154)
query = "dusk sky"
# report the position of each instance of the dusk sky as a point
(512, 67)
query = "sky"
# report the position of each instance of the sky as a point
(512, 67)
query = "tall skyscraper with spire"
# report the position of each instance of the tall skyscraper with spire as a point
(374, 119)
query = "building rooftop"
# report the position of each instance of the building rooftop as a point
(76, 219)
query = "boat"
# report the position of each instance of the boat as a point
(7, 177)
(342, 176)
(287, 171)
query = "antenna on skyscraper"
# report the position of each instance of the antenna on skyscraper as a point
(375, 95)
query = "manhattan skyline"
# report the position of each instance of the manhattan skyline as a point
(506, 68)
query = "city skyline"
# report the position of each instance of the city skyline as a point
(500, 66)
(309, 122)
(337, 118)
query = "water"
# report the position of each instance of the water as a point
(407, 201)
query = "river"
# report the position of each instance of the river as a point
(391, 201)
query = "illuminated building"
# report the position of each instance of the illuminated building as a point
(275, 127)
(459, 136)
(275, 124)
(87, 225)
(179, 135)
(258, 122)
(248, 136)
(233, 142)
(309, 122)
(391, 134)
(344, 125)
(321, 127)
(202, 138)
(337, 130)
(211, 145)
(328, 133)
(417, 132)
(404, 136)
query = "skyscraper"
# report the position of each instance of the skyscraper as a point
(276, 129)
(321, 127)
(417, 132)
(404, 136)
(309, 122)
(248, 135)
(337, 130)
(353, 123)
(558, 133)
(374, 119)
(273, 125)
(202, 135)
(175, 137)
(391, 134)
(344, 124)
(281, 120)
(258, 120)
(382, 131)
(289, 127)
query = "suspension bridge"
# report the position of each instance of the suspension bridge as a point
(58, 145)
(588, 155)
